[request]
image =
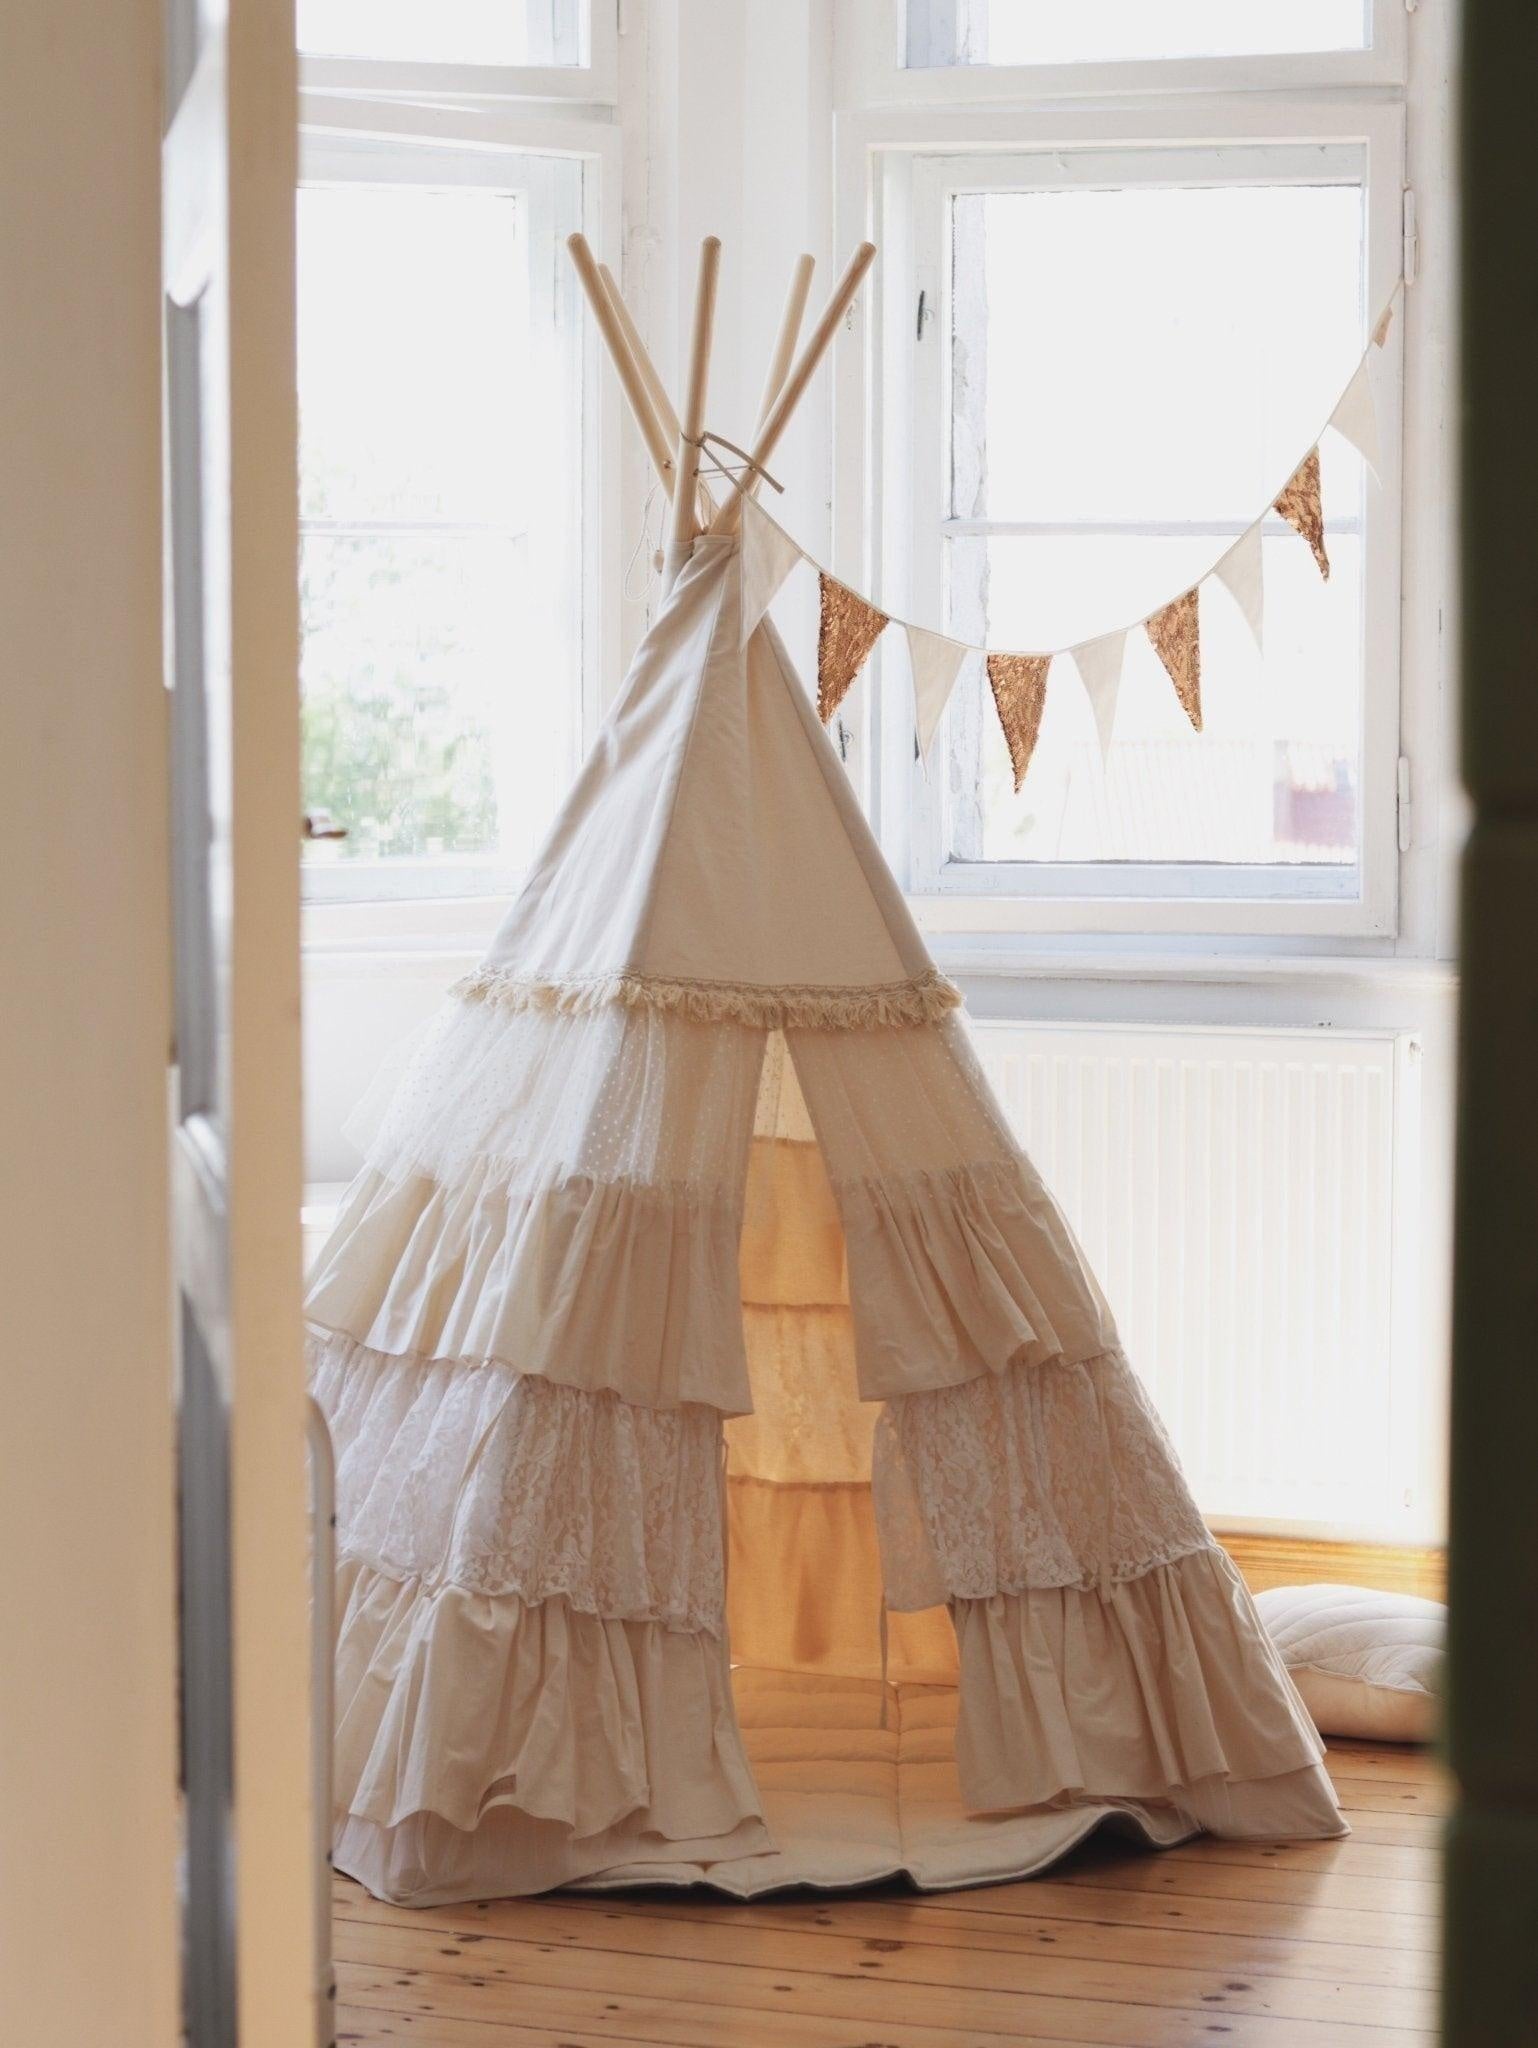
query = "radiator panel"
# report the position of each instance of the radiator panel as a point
(1235, 1192)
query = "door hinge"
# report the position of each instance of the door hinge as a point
(1403, 805)
(1412, 240)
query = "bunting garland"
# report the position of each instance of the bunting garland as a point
(1177, 642)
(768, 556)
(847, 629)
(933, 662)
(1301, 504)
(1240, 572)
(1099, 663)
(1019, 686)
(1356, 417)
(849, 625)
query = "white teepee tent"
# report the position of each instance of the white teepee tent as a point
(695, 1232)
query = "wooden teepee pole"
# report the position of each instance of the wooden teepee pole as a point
(785, 342)
(683, 526)
(656, 390)
(628, 370)
(768, 437)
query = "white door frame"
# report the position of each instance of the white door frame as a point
(229, 177)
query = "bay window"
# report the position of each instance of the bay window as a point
(1104, 340)
(453, 473)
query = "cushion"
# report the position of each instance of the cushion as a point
(1367, 1664)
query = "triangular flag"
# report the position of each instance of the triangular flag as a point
(1300, 504)
(935, 663)
(1099, 663)
(768, 556)
(1019, 685)
(1176, 638)
(1240, 573)
(847, 631)
(1385, 322)
(1356, 417)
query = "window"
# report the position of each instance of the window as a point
(442, 453)
(521, 32)
(1104, 348)
(1093, 468)
(470, 51)
(998, 32)
(953, 50)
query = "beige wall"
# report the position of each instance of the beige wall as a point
(87, 1927)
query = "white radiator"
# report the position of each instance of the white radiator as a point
(1243, 1196)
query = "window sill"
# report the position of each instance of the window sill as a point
(1017, 957)
(1119, 919)
(444, 924)
(445, 938)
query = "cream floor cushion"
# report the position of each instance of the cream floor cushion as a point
(1367, 1664)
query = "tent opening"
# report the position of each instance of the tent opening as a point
(804, 1587)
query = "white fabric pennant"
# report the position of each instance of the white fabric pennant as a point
(768, 556)
(935, 662)
(1241, 573)
(1356, 417)
(1099, 663)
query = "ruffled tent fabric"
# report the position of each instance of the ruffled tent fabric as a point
(695, 1238)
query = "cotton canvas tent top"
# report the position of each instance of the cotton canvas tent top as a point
(740, 1480)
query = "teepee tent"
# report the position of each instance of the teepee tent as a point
(740, 1480)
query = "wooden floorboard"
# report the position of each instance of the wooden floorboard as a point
(1211, 1945)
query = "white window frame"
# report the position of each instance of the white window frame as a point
(595, 83)
(874, 37)
(879, 155)
(410, 138)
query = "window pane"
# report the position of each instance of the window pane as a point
(1133, 370)
(951, 32)
(1273, 775)
(413, 352)
(442, 654)
(1147, 352)
(447, 32)
(407, 647)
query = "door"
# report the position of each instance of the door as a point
(228, 262)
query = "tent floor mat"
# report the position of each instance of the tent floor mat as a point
(851, 1802)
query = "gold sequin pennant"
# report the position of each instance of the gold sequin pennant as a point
(847, 631)
(1176, 638)
(1019, 686)
(1301, 505)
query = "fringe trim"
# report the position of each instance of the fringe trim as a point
(885, 1005)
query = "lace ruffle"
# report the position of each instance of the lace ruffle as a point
(526, 1098)
(1049, 1475)
(500, 1484)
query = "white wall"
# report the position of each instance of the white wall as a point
(87, 1673)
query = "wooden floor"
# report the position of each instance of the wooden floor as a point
(1214, 1945)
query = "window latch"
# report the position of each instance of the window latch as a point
(925, 312)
